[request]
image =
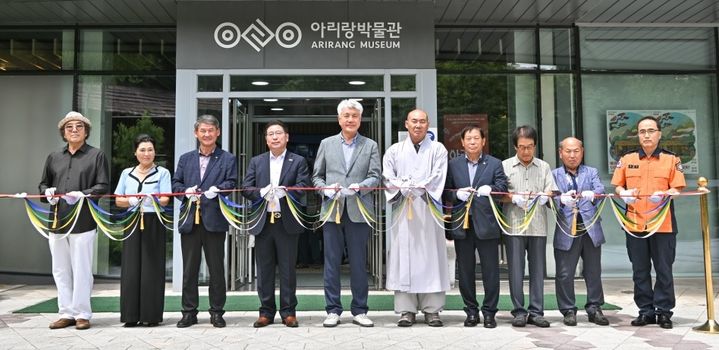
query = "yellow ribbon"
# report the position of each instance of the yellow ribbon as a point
(197, 212)
(54, 220)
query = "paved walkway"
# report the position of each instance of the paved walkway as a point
(30, 331)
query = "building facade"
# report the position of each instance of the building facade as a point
(587, 69)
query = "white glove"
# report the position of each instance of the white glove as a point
(417, 191)
(49, 193)
(251, 242)
(72, 197)
(190, 193)
(588, 195)
(331, 191)
(350, 190)
(354, 187)
(134, 201)
(519, 200)
(542, 199)
(464, 193)
(657, 196)
(567, 198)
(20, 195)
(212, 192)
(628, 196)
(279, 192)
(484, 191)
(265, 190)
(147, 200)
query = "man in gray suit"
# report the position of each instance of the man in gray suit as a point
(347, 166)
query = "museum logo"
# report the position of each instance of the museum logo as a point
(327, 35)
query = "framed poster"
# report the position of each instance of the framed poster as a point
(679, 134)
(453, 125)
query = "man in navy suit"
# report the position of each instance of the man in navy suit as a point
(579, 184)
(201, 174)
(277, 232)
(476, 174)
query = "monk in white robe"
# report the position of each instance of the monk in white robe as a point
(417, 255)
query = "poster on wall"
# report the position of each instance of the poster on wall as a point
(679, 134)
(453, 125)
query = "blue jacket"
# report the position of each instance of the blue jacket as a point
(489, 172)
(587, 180)
(221, 172)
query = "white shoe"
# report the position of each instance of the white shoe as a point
(362, 320)
(332, 320)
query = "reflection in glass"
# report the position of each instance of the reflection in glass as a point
(128, 49)
(486, 48)
(37, 50)
(556, 49)
(306, 83)
(212, 83)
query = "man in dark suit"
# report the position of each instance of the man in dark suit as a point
(277, 232)
(201, 174)
(476, 174)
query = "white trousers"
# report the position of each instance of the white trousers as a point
(72, 270)
(425, 302)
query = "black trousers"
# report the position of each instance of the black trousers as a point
(466, 264)
(193, 244)
(142, 285)
(660, 250)
(275, 248)
(592, 271)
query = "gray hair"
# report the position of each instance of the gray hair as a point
(561, 143)
(207, 119)
(352, 104)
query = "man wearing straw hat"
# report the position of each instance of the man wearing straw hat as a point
(644, 179)
(578, 233)
(75, 171)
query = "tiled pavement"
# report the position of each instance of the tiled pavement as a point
(29, 331)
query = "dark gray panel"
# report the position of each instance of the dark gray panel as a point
(454, 10)
(471, 11)
(262, 47)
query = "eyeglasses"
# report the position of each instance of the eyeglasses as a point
(647, 131)
(76, 127)
(273, 133)
(525, 148)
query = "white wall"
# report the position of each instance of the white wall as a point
(30, 107)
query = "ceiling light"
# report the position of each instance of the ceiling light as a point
(270, 100)
(277, 109)
(356, 82)
(260, 83)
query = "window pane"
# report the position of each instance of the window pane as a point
(127, 49)
(496, 102)
(211, 83)
(403, 82)
(556, 49)
(647, 48)
(487, 49)
(688, 102)
(37, 50)
(307, 83)
(126, 106)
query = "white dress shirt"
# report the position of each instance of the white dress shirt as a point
(275, 171)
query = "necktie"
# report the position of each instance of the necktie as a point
(416, 147)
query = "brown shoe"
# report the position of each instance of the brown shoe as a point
(62, 323)
(290, 321)
(263, 321)
(82, 323)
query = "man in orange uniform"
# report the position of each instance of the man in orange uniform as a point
(643, 178)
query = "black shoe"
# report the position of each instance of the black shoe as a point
(519, 321)
(597, 317)
(471, 320)
(489, 321)
(538, 321)
(664, 321)
(187, 320)
(217, 321)
(570, 318)
(152, 324)
(643, 320)
(130, 324)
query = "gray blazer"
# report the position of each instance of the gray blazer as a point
(364, 169)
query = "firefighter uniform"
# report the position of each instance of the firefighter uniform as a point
(659, 171)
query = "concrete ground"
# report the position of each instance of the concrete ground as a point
(30, 331)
